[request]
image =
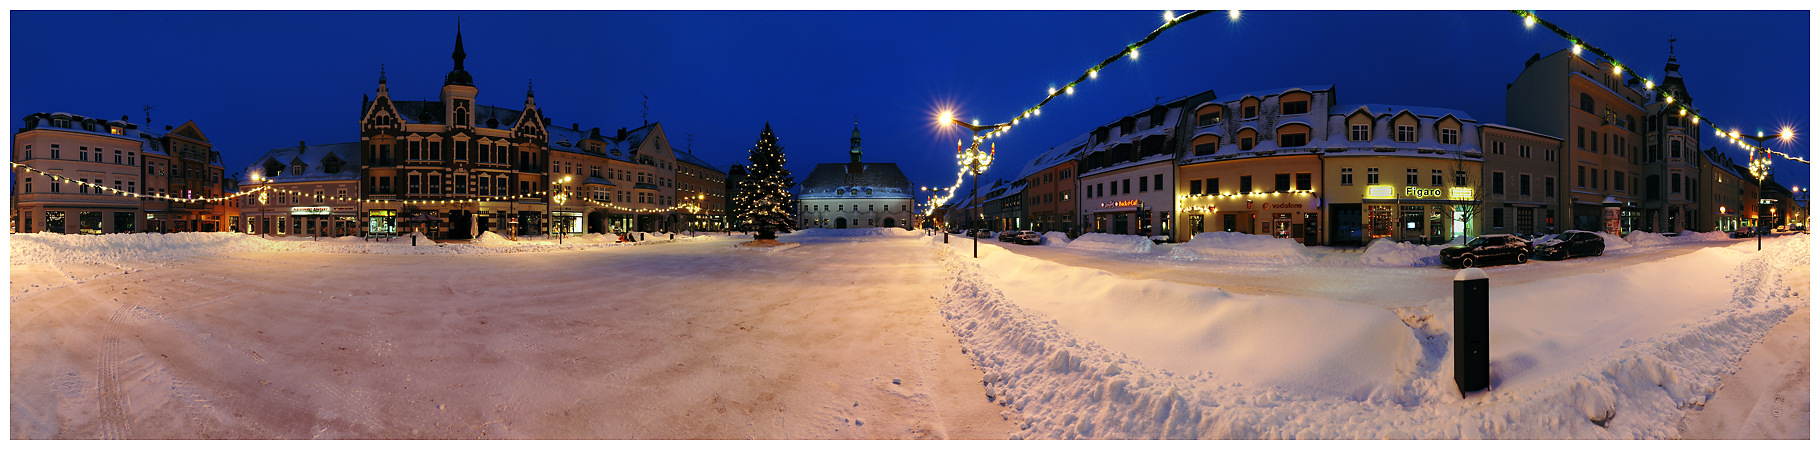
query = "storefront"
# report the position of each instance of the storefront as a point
(382, 223)
(570, 223)
(1288, 215)
(1418, 214)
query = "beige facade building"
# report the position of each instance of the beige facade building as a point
(115, 173)
(1522, 174)
(1595, 111)
(1253, 166)
(308, 191)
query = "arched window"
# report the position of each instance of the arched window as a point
(1586, 103)
(1206, 144)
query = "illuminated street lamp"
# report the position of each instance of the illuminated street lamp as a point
(975, 161)
(1760, 169)
(929, 209)
(550, 220)
(262, 184)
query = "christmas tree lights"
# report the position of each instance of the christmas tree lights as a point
(766, 190)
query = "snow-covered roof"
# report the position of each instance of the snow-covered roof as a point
(1520, 130)
(1265, 93)
(1380, 109)
(839, 180)
(313, 158)
(1152, 159)
(686, 157)
(1006, 191)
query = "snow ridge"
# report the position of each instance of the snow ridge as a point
(1064, 387)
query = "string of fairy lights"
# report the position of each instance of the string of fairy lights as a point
(1170, 20)
(328, 197)
(105, 189)
(1530, 20)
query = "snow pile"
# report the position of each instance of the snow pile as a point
(1614, 242)
(1082, 353)
(889, 231)
(1055, 238)
(1384, 252)
(1241, 248)
(1646, 239)
(489, 238)
(41, 248)
(1692, 236)
(1112, 243)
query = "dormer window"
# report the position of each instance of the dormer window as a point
(60, 123)
(1406, 133)
(1207, 116)
(116, 130)
(297, 169)
(1450, 136)
(1296, 107)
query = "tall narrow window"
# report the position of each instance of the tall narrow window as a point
(1371, 175)
(1245, 184)
(1345, 176)
(1410, 178)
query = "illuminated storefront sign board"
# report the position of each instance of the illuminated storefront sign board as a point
(1414, 192)
(311, 210)
(1123, 204)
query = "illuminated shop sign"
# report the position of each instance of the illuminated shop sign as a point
(1415, 192)
(311, 210)
(1123, 204)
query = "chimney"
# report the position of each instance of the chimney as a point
(594, 133)
(622, 135)
(574, 126)
(300, 148)
(124, 118)
(167, 128)
(546, 122)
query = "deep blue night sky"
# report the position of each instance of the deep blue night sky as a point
(259, 80)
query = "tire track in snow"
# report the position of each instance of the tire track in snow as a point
(111, 395)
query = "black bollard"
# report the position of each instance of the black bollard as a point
(413, 239)
(1471, 330)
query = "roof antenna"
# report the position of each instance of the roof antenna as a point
(148, 115)
(645, 105)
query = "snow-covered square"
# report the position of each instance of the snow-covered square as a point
(892, 334)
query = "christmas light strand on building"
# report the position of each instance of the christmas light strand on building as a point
(105, 189)
(408, 202)
(1530, 20)
(1170, 20)
(610, 205)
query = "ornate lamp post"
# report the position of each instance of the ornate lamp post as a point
(975, 160)
(550, 220)
(1760, 169)
(262, 186)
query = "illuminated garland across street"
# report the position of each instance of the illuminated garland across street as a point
(1170, 20)
(1530, 21)
(64, 179)
(408, 202)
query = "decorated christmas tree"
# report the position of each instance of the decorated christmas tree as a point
(766, 190)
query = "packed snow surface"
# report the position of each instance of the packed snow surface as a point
(1056, 238)
(1613, 243)
(1241, 248)
(1112, 243)
(1619, 353)
(888, 231)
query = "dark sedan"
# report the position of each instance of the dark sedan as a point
(1571, 244)
(1486, 249)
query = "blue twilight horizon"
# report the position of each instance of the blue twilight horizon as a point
(258, 80)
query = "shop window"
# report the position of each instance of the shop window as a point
(53, 221)
(91, 223)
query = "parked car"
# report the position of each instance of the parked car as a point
(1488, 248)
(1743, 232)
(1570, 244)
(1007, 236)
(1026, 237)
(982, 234)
